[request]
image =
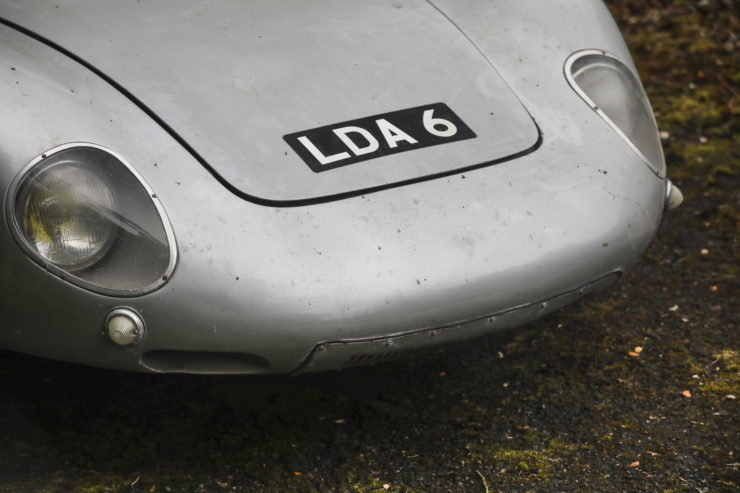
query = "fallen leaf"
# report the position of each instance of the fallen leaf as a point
(635, 464)
(634, 354)
(686, 393)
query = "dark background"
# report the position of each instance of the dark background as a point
(569, 402)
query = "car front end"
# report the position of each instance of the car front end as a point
(282, 210)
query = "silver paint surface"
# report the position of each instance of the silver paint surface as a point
(275, 282)
(231, 78)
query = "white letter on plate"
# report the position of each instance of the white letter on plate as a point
(372, 143)
(318, 154)
(393, 134)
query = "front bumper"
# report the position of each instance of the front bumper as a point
(349, 353)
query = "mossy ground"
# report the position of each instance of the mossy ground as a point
(631, 389)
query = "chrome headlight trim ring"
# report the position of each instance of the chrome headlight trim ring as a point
(16, 227)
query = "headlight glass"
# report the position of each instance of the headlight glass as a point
(64, 209)
(84, 214)
(616, 94)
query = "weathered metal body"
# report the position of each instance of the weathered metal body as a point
(281, 268)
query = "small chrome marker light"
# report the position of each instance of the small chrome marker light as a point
(615, 93)
(124, 326)
(84, 214)
(673, 196)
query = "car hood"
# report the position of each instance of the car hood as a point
(240, 82)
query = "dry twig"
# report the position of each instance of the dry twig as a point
(485, 484)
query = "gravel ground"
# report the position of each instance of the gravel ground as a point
(632, 389)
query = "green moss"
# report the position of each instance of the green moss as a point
(357, 480)
(540, 462)
(723, 382)
(697, 110)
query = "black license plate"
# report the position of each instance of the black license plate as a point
(341, 144)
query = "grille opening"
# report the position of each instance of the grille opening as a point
(168, 361)
(370, 359)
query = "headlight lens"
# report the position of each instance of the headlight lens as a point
(64, 208)
(81, 212)
(616, 94)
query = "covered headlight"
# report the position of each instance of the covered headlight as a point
(81, 212)
(616, 94)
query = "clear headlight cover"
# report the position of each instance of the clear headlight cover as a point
(616, 94)
(84, 214)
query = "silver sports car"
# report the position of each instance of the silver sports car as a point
(261, 186)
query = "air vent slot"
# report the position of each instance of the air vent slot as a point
(373, 359)
(204, 362)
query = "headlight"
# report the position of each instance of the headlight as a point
(63, 209)
(616, 94)
(81, 212)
